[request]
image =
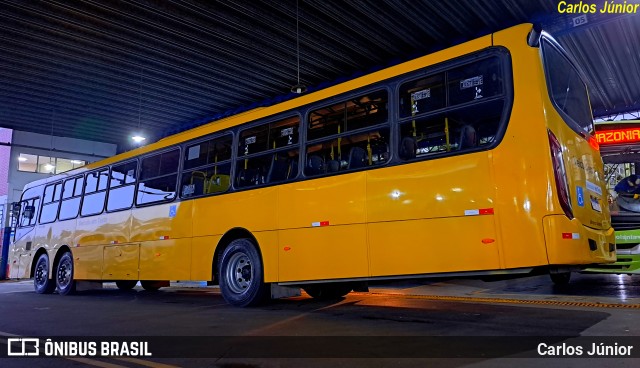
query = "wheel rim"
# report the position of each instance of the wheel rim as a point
(42, 274)
(65, 268)
(239, 273)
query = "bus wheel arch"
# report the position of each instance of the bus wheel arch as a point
(227, 238)
(241, 272)
(64, 271)
(41, 272)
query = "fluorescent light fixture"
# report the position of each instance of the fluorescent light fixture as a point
(138, 138)
(76, 162)
(22, 159)
(49, 167)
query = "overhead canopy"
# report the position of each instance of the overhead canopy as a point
(102, 70)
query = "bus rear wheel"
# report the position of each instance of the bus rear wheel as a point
(126, 284)
(65, 283)
(560, 278)
(328, 291)
(241, 274)
(41, 281)
(150, 285)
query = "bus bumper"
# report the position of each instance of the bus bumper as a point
(628, 261)
(570, 243)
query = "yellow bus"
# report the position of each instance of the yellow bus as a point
(476, 160)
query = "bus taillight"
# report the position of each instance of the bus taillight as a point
(560, 175)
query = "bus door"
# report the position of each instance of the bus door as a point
(24, 246)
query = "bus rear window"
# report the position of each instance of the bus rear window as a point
(567, 90)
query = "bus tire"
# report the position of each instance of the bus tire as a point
(328, 291)
(150, 285)
(126, 284)
(41, 281)
(560, 278)
(241, 274)
(65, 283)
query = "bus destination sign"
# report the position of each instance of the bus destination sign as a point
(618, 136)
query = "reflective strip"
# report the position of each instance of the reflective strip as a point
(570, 236)
(164, 237)
(321, 223)
(481, 211)
(486, 211)
(114, 242)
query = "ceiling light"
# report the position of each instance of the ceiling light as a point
(49, 167)
(299, 89)
(138, 138)
(76, 162)
(22, 159)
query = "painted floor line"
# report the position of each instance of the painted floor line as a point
(510, 301)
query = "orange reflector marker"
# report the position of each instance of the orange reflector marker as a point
(286, 249)
(488, 240)
(158, 254)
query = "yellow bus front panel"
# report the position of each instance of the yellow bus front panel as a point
(566, 242)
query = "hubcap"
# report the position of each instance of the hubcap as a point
(42, 273)
(239, 273)
(64, 273)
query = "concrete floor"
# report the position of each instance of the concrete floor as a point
(444, 323)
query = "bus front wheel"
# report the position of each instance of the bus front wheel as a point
(560, 278)
(64, 275)
(41, 281)
(241, 274)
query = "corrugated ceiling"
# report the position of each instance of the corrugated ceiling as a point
(101, 69)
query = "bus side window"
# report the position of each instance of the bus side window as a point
(348, 135)
(278, 162)
(468, 118)
(95, 193)
(29, 212)
(158, 177)
(50, 203)
(71, 195)
(122, 186)
(207, 167)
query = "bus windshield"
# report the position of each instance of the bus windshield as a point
(567, 90)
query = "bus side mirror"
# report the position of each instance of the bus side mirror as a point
(29, 212)
(15, 210)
